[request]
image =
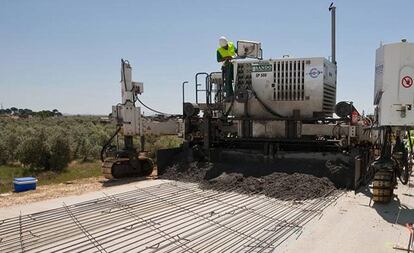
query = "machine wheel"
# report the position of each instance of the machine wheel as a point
(383, 186)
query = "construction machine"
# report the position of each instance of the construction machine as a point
(284, 117)
(394, 117)
(119, 161)
(280, 118)
(126, 161)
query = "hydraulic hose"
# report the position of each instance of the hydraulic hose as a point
(125, 85)
(105, 146)
(149, 108)
(261, 103)
(267, 108)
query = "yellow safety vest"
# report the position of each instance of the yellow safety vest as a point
(230, 51)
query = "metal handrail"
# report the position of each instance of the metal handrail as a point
(197, 84)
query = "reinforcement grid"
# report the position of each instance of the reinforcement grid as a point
(170, 217)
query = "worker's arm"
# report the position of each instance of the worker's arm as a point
(221, 59)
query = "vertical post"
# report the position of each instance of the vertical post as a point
(208, 89)
(207, 131)
(332, 9)
(184, 83)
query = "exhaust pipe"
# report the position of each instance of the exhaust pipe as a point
(332, 9)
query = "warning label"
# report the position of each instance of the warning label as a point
(407, 81)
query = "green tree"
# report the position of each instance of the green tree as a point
(59, 153)
(86, 150)
(34, 152)
(14, 110)
(11, 140)
(4, 153)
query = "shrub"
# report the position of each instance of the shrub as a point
(86, 150)
(4, 153)
(34, 152)
(59, 153)
(12, 142)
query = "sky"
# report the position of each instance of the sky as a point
(66, 54)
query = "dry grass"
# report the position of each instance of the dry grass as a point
(78, 179)
(43, 192)
(76, 170)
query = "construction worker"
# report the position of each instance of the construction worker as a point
(225, 53)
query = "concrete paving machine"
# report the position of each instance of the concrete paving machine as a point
(281, 118)
(284, 117)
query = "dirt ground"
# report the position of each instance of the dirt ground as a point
(74, 187)
(44, 192)
(280, 185)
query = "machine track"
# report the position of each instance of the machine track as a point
(116, 168)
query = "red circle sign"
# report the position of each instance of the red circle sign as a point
(407, 81)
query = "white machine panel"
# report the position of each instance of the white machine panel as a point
(138, 87)
(262, 76)
(131, 117)
(307, 85)
(394, 88)
(268, 129)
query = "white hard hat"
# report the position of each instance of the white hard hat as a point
(223, 41)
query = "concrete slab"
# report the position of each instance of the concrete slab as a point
(355, 224)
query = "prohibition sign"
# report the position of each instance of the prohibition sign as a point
(407, 81)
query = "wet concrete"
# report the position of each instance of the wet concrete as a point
(280, 185)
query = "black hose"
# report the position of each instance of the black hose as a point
(149, 108)
(125, 85)
(267, 108)
(262, 103)
(105, 146)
